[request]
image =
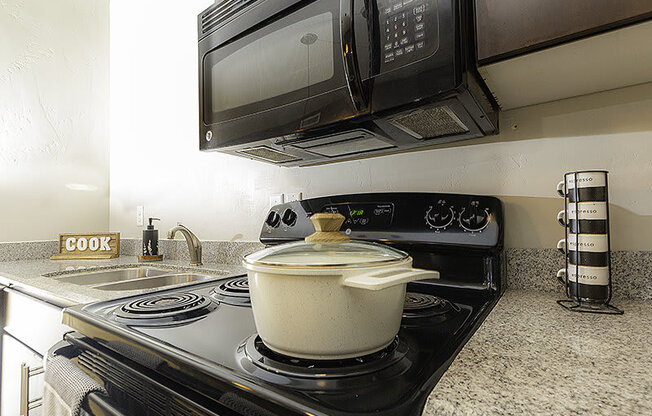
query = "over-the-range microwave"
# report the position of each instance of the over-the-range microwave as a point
(299, 82)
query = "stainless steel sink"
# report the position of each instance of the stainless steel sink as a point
(112, 276)
(133, 278)
(152, 282)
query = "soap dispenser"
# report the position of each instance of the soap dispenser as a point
(150, 242)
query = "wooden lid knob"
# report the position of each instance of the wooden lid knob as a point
(327, 228)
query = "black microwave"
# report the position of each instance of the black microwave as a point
(299, 82)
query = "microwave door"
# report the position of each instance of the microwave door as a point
(285, 77)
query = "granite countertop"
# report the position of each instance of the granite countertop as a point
(531, 356)
(39, 278)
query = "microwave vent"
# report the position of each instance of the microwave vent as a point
(220, 12)
(269, 154)
(432, 122)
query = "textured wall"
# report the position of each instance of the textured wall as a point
(155, 160)
(54, 141)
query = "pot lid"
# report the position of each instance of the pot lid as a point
(326, 247)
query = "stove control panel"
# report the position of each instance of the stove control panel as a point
(419, 218)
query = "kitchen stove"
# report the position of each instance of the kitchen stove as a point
(194, 350)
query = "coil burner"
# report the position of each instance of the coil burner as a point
(421, 305)
(256, 356)
(233, 292)
(163, 310)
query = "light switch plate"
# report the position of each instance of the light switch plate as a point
(275, 199)
(140, 215)
(294, 196)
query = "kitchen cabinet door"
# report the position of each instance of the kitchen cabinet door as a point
(30, 326)
(13, 355)
(508, 28)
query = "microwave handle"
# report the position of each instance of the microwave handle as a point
(351, 69)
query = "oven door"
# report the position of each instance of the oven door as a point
(296, 72)
(132, 389)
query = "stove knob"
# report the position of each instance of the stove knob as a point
(289, 217)
(473, 217)
(273, 219)
(439, 215)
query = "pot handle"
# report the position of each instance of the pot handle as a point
(388, 278)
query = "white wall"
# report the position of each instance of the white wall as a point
(155, 159)
(54, 92)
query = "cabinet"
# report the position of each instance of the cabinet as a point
(30, 327)
(14, 355)
(506, 28)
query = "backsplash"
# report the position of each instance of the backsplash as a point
(527, 268)
(27, 250)
(536, 269)
(223, 252)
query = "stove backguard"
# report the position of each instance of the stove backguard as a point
(461, 236)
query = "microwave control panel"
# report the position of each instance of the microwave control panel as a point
(409, 31)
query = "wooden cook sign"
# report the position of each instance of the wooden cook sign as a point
(88, 246)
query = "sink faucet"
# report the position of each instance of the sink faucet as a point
(194, 245)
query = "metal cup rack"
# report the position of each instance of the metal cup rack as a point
(577, 303)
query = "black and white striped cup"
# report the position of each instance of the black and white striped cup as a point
(585, 217)
(591, 186)
(586, 249)
(586, 283)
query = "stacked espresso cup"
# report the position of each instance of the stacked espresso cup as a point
(585, 218)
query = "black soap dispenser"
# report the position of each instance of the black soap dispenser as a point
(150, 242)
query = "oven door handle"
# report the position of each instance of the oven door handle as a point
(351, 69)
(96, 404)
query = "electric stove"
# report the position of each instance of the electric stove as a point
(194, 350)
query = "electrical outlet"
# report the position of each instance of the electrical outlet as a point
(140, 215)
(294, 196)
(275, 199)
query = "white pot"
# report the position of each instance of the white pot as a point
(331, 301)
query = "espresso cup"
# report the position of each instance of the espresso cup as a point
(591, 186)
(593, 249)
(586, 283)
(595, 243)
(585, 217)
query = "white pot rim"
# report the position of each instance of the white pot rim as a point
(325, 270)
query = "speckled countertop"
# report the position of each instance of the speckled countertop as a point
(531, 356)
(28, 276)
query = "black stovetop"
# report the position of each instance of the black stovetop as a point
(211, 339)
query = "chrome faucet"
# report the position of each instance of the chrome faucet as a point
(194, 245)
